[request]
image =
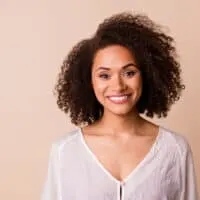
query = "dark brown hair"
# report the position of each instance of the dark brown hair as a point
(155, 55)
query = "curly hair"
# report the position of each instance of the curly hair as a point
(155, 55)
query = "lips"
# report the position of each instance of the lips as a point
(119, 95)
(119, 99)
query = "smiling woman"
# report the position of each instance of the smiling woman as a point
(116, 80)
(128, 67)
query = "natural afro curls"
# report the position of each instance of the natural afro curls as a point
(156, 58)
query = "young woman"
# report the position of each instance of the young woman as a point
(127, 68)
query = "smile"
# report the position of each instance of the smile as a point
(119, 99)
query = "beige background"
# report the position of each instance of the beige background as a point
(35, 36)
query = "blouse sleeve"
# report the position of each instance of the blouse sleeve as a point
(189, 183)
(50, 189)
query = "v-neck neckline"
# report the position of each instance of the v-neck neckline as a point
(147, 157)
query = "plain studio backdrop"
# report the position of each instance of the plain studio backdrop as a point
(35, 36)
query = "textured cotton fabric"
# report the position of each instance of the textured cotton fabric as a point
(166, 172)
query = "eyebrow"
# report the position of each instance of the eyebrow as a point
(124, 67)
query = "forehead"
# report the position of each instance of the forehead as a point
(113, 56)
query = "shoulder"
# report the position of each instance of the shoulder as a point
(67, 139)
(174, 141)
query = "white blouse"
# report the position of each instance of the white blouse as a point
(166, 173)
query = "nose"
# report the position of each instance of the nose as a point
(118, 84)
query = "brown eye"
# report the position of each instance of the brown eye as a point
(104, 76)
(130, 73)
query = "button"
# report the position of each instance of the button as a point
(122, 183)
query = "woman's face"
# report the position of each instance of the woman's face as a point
(116, 80)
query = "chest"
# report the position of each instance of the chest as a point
(119, 157)
(155, 179)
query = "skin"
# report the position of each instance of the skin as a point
(121, 138)
(114, 72)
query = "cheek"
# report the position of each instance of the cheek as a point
(139, 87)
(136, 83)
(99, 87)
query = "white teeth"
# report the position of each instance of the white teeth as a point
(122, 98)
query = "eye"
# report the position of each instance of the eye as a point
(104, 76)
(130, 73)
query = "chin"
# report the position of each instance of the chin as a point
(119, 111)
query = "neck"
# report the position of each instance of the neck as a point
(119, 124)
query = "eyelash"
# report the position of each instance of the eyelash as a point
(132, 73)
(106, 76)
(103, 76)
